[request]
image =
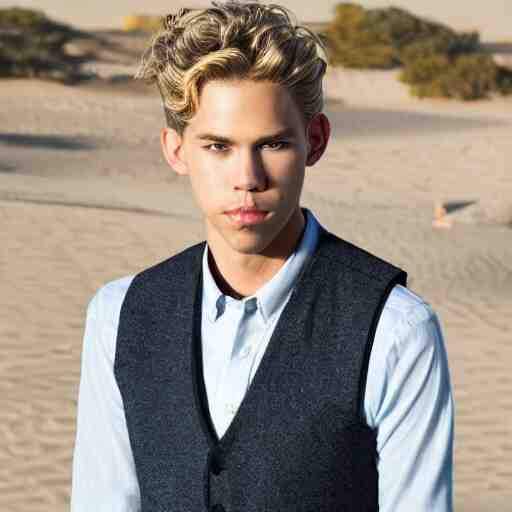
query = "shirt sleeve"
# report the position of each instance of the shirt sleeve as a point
(104, 478)
(409, 402)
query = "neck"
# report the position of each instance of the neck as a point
(240, 275)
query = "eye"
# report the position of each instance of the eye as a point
(216, 147)
(275, 146)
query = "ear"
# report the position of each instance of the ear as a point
(318, 132)
(172, 148)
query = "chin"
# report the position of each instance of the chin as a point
(250, 243)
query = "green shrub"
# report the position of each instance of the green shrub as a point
(436, 60)
(32, 45)
(352, 45)
(470, 77)
(424, 75)
(440, 44)
(377, 38)
(467, 77)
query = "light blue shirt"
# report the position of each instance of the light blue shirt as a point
(408, 398)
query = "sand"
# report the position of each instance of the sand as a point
(85, 197)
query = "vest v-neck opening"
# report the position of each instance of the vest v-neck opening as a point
(199, 385)
(198, 381)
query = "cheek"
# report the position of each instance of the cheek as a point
(207, 183)
(203, 189)
(286, 170)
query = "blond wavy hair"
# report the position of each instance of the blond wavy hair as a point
(232, 40)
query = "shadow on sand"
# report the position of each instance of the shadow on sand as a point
(357, 122)
(61, 142)
(453, 206)
(4, 167)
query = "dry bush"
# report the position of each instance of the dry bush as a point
(31, 45)
(377, 38)
(436, 60)
(466, 77)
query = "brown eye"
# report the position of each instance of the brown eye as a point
(216, 147)
(275, 146)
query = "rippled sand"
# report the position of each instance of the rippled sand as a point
(85, 197)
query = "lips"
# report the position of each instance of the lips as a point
(246, 215)
(245, 209)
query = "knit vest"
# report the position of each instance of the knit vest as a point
(299, 441)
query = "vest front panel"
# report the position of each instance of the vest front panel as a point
(298, 441)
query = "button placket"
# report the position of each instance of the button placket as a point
(217, 484)
(230, 408)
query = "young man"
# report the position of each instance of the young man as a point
(274, 367)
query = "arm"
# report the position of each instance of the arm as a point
(104, 478)
(408, 400)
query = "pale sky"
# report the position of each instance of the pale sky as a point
(493, 18)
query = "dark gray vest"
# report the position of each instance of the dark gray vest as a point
(298, 442)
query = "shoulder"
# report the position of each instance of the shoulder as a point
(403, 311)
(108, 299)
(104, 309)
(105, 305)
(176, 267)
(408, 326)
(351, 262)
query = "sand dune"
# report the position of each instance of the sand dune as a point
(85, 197)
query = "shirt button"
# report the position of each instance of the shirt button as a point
(230, 408)
(251, 306)
(218, 464)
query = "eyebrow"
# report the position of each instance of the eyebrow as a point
(286, 133)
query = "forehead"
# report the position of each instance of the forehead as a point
(245, 108)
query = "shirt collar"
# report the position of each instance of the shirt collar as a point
(271, 296)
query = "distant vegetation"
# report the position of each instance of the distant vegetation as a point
(142, 23)
(31, 45)
(435, 60)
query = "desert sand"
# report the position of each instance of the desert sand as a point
(85, 197)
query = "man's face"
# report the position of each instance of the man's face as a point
(245, 151)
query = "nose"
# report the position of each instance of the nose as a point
(250, 175)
